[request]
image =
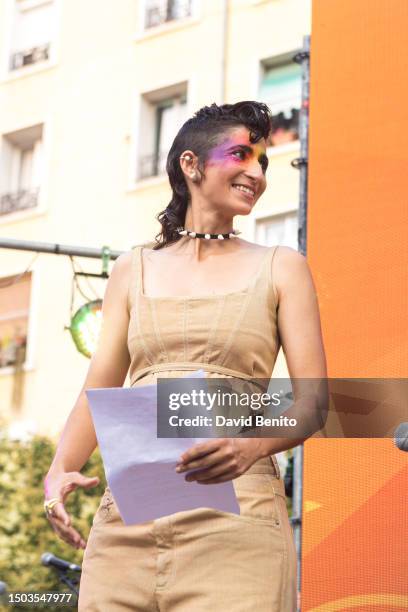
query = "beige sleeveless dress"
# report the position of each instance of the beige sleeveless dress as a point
(203, 559)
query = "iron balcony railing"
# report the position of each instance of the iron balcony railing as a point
(152, 165)
(20, 200)
(29, 56)
(162, 11)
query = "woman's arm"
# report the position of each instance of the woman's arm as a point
(301, 337)
(108, 368)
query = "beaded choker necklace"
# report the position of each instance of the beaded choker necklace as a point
(184, 232)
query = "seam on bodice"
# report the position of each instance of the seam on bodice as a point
(214, 327)
(233, 331)
(184, 326)
(156, 326)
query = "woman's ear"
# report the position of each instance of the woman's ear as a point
(189, 166)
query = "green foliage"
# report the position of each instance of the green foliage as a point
(25, 532)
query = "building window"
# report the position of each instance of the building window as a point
(32, 32)
(21, 169)
(163, 112)
(281, 90)
(278, 229)
(14, 315)
(158, 12)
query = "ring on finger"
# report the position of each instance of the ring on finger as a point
(49, 505)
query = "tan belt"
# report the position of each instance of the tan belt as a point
(191, 366)
(179, 365)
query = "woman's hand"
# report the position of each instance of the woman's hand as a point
(221, 459)
(58, 485)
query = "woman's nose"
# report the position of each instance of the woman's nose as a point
(254, 169)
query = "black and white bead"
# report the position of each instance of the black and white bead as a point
(184, 232)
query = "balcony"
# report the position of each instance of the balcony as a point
(163, 11)
(20, 200)
(29, 57)
(285, 127)
(152, 165)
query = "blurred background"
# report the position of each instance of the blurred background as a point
(91, 96)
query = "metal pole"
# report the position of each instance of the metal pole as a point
(301, 164)
(57, 249)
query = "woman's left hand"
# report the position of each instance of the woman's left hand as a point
(220, 460)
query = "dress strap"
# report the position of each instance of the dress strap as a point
(265, 275)
(263, 269)
(135, 276)
(271, 275)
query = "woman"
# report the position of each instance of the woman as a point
(198, 300)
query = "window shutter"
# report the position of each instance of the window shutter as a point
(26, 169)
(172, 119)
(33, 26)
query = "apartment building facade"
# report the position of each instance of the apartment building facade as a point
(91, 97)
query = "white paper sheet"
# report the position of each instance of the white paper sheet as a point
(139, 467)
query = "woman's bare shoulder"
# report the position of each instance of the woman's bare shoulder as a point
(124, 261)
(288, 267)
(288, 254)
(252, 246)
(121, 270)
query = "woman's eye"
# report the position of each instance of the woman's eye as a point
(241, 154)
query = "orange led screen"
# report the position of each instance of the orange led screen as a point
(355, 496)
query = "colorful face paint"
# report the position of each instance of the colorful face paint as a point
(238, 151)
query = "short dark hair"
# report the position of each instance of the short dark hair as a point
(201, 134)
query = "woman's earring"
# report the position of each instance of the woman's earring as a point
(196, 177)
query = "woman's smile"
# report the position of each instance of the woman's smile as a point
(245, 191)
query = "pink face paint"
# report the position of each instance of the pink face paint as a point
(227, 153)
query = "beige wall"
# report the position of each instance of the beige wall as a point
(89, 101)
